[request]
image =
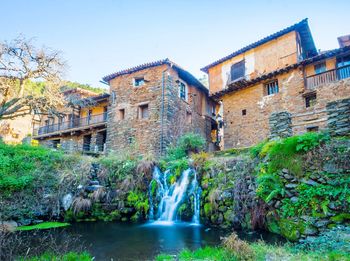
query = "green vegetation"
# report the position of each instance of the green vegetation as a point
(71, 256)
(260, 252)
(44, 225)
(188, 143)
(19, 165)
(33, 178)
(88, 87)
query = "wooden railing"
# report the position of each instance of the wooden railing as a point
(73, 124)
(327, 77)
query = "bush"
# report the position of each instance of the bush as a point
(187, 143)
(20, 163)
(240, 248)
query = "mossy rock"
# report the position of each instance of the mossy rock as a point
(272, 224)
(207, 209)
(341, 218)
(292, 230)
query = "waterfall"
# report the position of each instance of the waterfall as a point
(170, 197)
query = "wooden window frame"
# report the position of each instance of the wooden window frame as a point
(270, 87)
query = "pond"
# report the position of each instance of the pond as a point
(124, 241)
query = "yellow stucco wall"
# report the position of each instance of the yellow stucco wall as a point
(96, 110)
(330, 64)
(265, 58)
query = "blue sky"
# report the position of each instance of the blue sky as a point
(102, 36)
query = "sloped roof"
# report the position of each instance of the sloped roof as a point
(306, 39)
(183, 74)
(319, 57)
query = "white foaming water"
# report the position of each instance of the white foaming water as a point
(171, 197)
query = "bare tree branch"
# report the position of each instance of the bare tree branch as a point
(22, 67)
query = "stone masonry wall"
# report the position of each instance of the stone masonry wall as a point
(339, 117)
(280, 125)
(165, 122)
(249, 129)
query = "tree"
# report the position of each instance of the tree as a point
(30, 79)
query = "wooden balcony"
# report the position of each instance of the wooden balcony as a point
(73, 125)
(334, 75)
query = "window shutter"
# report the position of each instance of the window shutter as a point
(237, 70)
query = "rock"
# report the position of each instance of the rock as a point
(285, 171)
(25, 222)
(310, 182)
(332, 206)
(291, 186)
(289, 195)
(8, 226)
(278, 204)
(308, 219)
(92, 188)
(226, 194)
(322, 180)
(222, 208)
(94, 182)
(229, 216)
(322, 223)
(310, 231)
(294, 199)
(80, 187)
(220, 218)
(288, 177)
(67, 201)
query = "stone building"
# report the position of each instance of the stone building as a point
(281, 86)
(151, 105)
(79, 127)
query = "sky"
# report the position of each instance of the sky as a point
(99, 37)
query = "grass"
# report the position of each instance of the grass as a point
(206, 253)
(71, 256)
(44, 225)
(261, 252)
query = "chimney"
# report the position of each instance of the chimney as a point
(344, 40)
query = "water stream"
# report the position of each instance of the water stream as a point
(170, 196)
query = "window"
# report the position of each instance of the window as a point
(105, 113)
(114, 97)
(310, 100)
(312, 129)
(183, 90)
(343, 67)
(244, 112)
(121, 115)
(237, 70)
(320, 68)
(188, 117)
(271, 87)
(56, 144)
(143, 111)
(86, 142)
(139, 81)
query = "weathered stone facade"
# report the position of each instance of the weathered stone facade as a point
(281, 73)
(169, 116)
(339, 117)
(280, 125)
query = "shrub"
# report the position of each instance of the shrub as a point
(19, 165)
(81, 204)
(241, 249)
(186, 144)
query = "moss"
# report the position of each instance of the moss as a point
(341, 217)
(272, 224)
(207, 209)
(292, 230)
(44, 225)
